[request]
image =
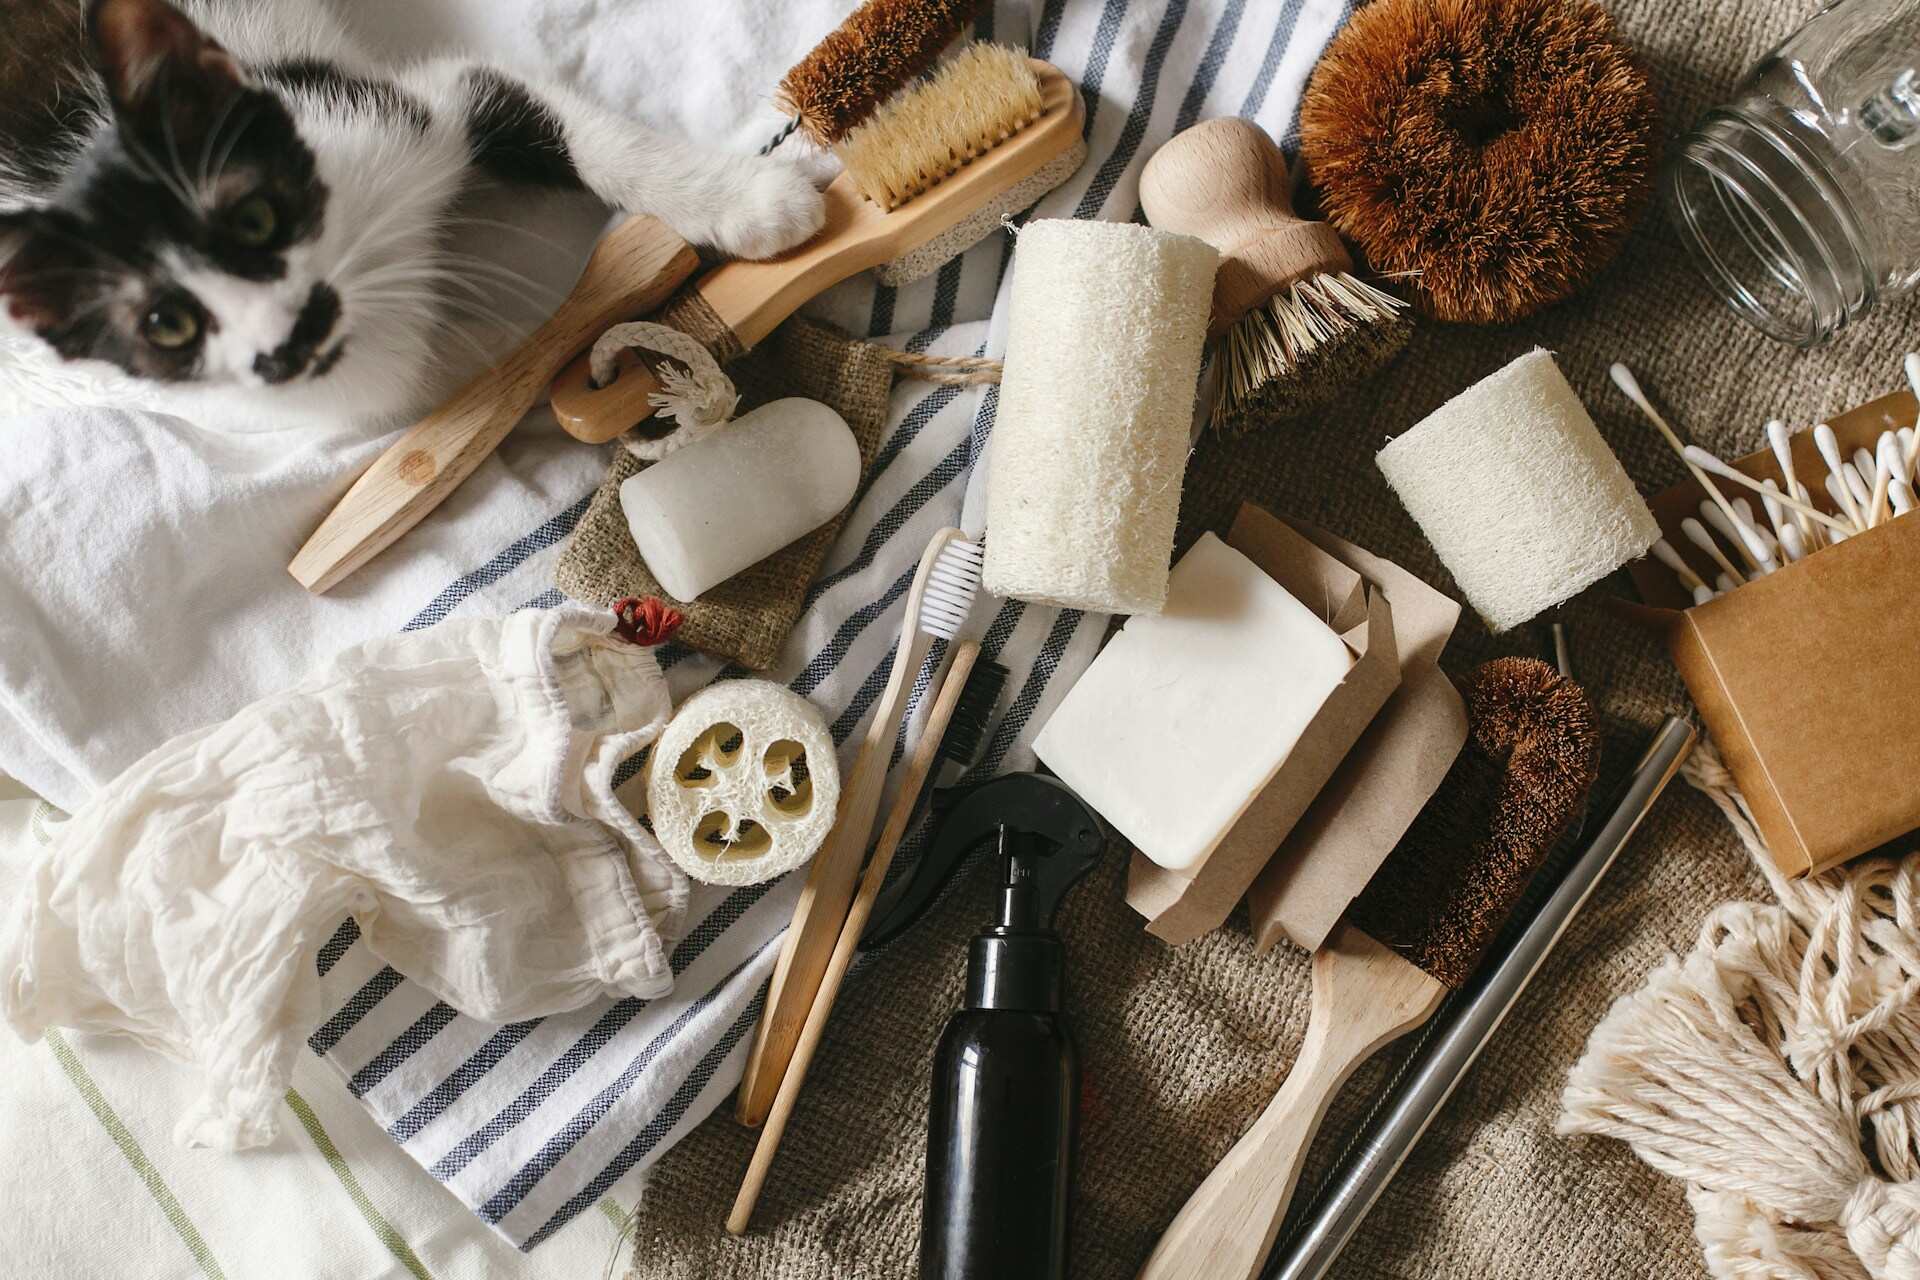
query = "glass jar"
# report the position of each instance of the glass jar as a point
(1801, 199)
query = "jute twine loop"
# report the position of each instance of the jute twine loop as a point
(1776, 1068)
(700, 398)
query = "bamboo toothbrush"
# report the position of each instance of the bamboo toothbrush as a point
(937, 607)
(1005, 119)
(955, 731)
(927, 163)
(1292, 325)
(1441, 895)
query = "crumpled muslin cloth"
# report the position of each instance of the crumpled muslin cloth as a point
(452, 788)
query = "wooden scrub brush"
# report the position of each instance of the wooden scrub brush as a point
(1416, 932)
(937, 160)
(1292, 325)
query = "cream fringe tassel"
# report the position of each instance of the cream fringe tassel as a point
(1776, 1070)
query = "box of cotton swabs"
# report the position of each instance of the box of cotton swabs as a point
(1792, 615)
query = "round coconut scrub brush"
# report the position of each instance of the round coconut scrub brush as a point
(1291, 325)
(1493, 151)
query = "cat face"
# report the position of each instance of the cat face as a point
(228, 228)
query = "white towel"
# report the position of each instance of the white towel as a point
(531, 1123)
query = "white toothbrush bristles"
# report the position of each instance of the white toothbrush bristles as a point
(951, 587)
(1697, 534)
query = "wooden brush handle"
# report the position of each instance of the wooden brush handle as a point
(752, 298)
(1226, 182)
(633, 269)
(1363, 996)
(828, 892)
(926, 756)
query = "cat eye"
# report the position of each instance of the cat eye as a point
(170, 324)
(253, 221)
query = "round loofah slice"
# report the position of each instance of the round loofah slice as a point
(744, 784)
(1496, 152)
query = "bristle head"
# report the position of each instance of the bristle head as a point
(978, 99)
(967, 729)
(1305, 346)
(951, 586)
(881, 47)
(1447, 887)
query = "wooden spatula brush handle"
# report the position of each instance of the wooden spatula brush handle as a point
(1225, 181)
(635, 267)
(1364, 995)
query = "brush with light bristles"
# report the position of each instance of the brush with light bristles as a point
(1292, 325)
(921, 174)
(938, 605)
(1415, 932)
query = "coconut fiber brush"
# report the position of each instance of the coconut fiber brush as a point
(1416, 932)
(1292, 325)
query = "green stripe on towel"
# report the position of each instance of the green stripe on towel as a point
(129, 1145)
(402, 1252)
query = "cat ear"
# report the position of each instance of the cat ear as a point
(41, 267)
(161, 70)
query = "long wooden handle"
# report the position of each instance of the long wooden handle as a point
(828, 892)
(925, 757)
(633, 269)
(1363, 996)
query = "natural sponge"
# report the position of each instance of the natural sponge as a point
(1492, 152)
(1517, 490)
(743, 785)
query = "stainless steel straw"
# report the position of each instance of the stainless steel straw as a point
(1435, 1066)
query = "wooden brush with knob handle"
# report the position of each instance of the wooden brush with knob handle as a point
(1291, 322)
(1440, 897)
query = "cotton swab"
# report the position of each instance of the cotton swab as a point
(1768, 543)
(1782, 444)
(1663, 552)
(1759, 564)
(1858, 487)
(1829, 447)
(1705, 461)
(1697, 534)
(1776, 510)
(1630, 386)
(1791, 544)
(1900, 493)
(1723, 584)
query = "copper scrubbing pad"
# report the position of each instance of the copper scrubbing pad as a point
(1447, 887)
(1416, 931)
(881, 46)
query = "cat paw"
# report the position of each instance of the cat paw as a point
(770, 207)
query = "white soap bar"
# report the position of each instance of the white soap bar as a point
(1187, 714)
(703, 513)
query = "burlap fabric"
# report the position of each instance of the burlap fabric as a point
(747, 617)
(1183, 1047)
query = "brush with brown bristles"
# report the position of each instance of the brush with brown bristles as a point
(1292, 325)
(1416, 932)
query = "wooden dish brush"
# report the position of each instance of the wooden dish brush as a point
(1440, 897)
(1292, 325)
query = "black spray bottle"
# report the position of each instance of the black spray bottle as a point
(1006, 1082)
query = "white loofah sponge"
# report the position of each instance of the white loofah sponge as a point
(1090, 442)
(744, 784)
(1515, 488)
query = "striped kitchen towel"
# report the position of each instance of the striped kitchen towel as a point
(530, 1124)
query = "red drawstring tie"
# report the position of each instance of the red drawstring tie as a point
(646, 622)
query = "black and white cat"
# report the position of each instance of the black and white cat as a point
(242, 207)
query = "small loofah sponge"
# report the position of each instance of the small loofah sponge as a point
(1515, 488)
(744, 784)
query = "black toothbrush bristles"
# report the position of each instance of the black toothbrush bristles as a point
(967, 731)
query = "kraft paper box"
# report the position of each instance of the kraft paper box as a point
(1806, 678)
(1385, 780)
(1181, 906)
